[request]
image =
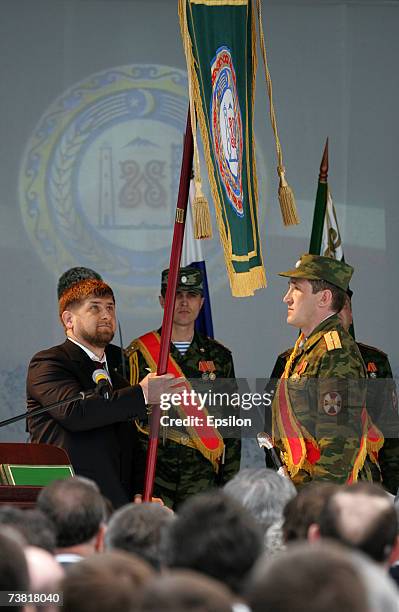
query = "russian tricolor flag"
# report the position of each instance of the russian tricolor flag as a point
(192, 256)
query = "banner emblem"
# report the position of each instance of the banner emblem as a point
(227, 127)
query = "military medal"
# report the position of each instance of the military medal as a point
(208, 370)
(372, 369)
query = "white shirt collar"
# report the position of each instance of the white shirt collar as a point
(90, 353)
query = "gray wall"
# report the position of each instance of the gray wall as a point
(334, 71)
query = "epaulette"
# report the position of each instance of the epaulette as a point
(133, 346)
(286, 353)
(332, 340)
(371, 348)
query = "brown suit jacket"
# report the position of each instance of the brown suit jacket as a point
(98, 435)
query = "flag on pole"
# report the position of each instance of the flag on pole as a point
(192, 256)
(219, 42)
(325, 238)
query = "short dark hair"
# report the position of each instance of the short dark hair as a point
(338, 295)
(76, 508)
(14, 574)
(184, 590)
(35, 527)
(105, 583)
(377, 531)
(318, 577)
(213, 534)
(304, 509)
(77, 293)
(139, 529)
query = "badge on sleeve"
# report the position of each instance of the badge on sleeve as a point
(332, 403)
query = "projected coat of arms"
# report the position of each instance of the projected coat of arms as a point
(99, 177)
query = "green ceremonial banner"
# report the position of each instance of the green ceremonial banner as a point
(219, 38)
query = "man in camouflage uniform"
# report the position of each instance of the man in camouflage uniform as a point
(182, 470)
(318, 418)
(381, 402)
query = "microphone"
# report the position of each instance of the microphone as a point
(103, 383)
(265, 441)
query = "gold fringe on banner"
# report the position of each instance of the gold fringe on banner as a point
(202, 224)
(285, 194)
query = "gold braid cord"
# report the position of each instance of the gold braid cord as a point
(285, 193)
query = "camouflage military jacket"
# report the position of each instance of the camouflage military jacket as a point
(201, 349)
(327, 393)
(220, 365)
(382, 405)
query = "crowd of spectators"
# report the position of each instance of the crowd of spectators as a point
(258, 545)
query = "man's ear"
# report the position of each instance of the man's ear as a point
(313, 533)
(325, 297)
(162, 301)
(67, 319)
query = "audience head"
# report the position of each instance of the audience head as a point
(213, 534)
(44, 571)
(263, 492)
(14, 574)
(361, 516)
(319, 578)
(303, 511)
(76, 508)
(105, 583)
(185, 591)
(35, 527)
(139, 529)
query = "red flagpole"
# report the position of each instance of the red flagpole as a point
(174, 265)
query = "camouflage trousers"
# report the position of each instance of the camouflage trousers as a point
(183, 471)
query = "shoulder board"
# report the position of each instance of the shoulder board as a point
(372, 349)
(332, 340)
(133, 346)
(286, 353)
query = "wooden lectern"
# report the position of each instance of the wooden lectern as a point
(24, 496)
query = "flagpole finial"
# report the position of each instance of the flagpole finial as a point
(323, 175)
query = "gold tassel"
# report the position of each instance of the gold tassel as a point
(201, 215)
(287, 200)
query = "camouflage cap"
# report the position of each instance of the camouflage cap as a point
(75, 275)
(190, 279)
(317, 267)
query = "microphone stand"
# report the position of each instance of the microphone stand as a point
(80, 396)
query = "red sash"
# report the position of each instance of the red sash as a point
(205, 437)
(300, 448)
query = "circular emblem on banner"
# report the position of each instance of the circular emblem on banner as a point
(332, 403)
(227, 127)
